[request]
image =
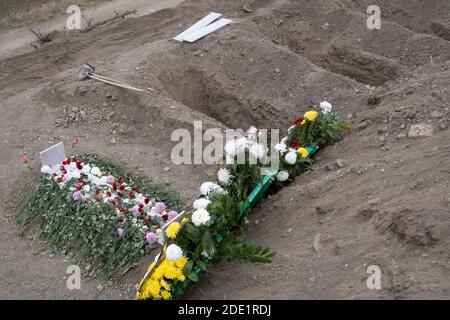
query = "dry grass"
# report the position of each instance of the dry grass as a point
(17, 13)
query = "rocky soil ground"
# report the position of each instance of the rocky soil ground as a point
(380, 196)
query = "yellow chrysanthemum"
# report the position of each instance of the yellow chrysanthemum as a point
(172, 230)
(166, 295)
(303, 152)
(165, 284)
(311, 115)
(181, 262)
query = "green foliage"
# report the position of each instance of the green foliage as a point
(237, 247)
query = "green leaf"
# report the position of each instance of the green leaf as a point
(193, 276)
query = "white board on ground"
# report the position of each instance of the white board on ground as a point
(53, 155)
(192, 37)
(213, 16)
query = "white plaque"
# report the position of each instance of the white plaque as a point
(53, 155)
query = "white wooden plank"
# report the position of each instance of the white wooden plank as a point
(192, 37)
(213, 16)
(53, 155)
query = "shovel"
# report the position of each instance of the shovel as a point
(88, 72)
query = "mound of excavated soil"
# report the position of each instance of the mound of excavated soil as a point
(378, 197)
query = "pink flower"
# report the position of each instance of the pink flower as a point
(76, 140)
(120, 232)
(151, 237)
(135, 211)
(171, 215)
(110, 179)
(160, 207)
(24, 159)
(77, 196)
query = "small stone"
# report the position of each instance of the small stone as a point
(364, 124)
(246, 9)
(256, 222)
(166, 169)
(382, 129)
(341, 163)
(113, 141)
(436, 115)
(420, 130)
(100, 288)
(326, 26)
(443, 126)
(75, 109)
(88, 267)
(277, 70)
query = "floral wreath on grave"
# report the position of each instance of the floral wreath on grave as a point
(211, 229)
(98, 213)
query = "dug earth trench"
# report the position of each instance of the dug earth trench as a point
(379, 196)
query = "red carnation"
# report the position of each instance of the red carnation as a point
(120, 180)
(146, 200)
(298, 121)
(295, 144)
(114, 186)
(141, 205)
(122, 187)
(165, 216)
(119, 221)
(108, 194)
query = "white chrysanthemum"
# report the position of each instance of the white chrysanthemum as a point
(257, 150)
(224, 176)
(242, 144)
(291, 157)
(104, 180)
(86, 188)
(280, 147)
(76, 175)
(96, 171)
(201, 203)
(174, 252)
(230, 148)
(46, 170)
(200, 217)
(208, 187)
(326, 107)
(152, 213)
(252, 133)
(86, 169)
(73, 166)
(282, 176)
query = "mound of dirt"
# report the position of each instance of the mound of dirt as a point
(380, 196)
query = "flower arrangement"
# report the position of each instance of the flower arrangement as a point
(94, 210)
(210, 229)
